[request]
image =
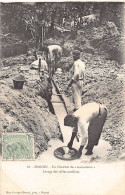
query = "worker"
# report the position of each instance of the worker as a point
(55, 53)
(77, 77)
(39, 64)
(88, 120)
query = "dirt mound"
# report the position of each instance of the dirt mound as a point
(107, 38)
(25, 111)
(115, 48)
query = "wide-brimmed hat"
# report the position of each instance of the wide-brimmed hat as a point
(76, 53)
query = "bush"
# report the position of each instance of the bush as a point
(13, 50)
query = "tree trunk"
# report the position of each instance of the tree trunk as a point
(53, 19)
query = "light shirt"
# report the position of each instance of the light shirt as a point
(78, 70)
(44, 65)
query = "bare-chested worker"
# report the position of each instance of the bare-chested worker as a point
(89, 119)
(53, 55)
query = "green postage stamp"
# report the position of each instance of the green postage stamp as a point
(18, 146)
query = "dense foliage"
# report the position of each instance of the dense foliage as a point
(28, 23)
(24, 17)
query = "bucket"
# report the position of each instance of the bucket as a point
(18, 82)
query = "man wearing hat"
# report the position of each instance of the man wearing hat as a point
(89, 119)
(77, 76)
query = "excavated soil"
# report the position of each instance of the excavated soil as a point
(26, 110)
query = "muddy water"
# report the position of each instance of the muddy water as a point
(100, 152)
(66, 131)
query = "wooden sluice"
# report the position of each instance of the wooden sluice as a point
(61, 110)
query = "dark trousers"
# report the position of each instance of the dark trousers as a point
(96, 126)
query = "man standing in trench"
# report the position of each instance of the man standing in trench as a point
(77, 76)
(89, 119)
(53, 54)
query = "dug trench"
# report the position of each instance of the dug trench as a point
(28, 109)
(37, 109)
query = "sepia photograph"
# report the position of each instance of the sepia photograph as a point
(62, 97)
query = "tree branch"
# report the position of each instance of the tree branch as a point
(4, 35)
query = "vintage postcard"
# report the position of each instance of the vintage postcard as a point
(62, 76)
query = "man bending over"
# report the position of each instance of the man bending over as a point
(89, 119)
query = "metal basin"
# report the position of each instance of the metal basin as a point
(65, 153)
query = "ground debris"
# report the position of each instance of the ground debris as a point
(24, 111)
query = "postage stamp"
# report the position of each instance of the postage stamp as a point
(18, 146)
